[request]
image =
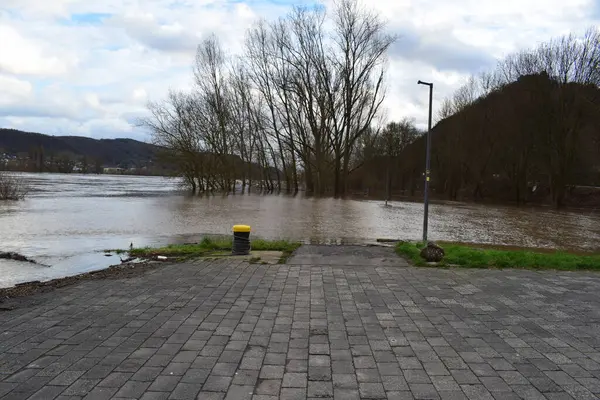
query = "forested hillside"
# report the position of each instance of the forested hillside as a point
(39, 152)
(533, 140)
(526, 132)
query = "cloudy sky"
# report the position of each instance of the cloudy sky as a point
(81, 67)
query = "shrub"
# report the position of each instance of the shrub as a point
(12, 187)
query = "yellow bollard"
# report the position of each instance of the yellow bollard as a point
(241, 240)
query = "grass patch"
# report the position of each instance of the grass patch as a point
(214, 246)
(472, 256)
(116, 251)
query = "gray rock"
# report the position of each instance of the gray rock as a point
(432, 252)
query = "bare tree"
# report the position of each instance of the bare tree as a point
(12, 187)
(361, 44)
(295, 103)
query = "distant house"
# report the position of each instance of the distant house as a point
(113, 170)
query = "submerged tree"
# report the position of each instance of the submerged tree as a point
(294, 104)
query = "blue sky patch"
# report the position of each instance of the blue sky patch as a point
(87, 18)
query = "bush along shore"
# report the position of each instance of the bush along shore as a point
(212, 247)
(487, 256)
(12, 187)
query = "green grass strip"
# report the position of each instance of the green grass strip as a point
(213, 246)
(473, 256)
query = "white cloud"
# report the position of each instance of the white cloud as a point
(38, 9)
(88, 67)
(21, 56)
(13, 90)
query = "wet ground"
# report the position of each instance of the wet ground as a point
(334, 322)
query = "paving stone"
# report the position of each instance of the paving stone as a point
(224, 369)
(292, 394)
(21, 376)
(319, 361)
(101, 393)
(561, 377)
(268, 386)
(296, 366)
(371, 391)
(275, 359)
(416, 376)
(216, 383)
(482, 369)
(319, 373)
(592, 384)
(445, 383)
(513, 377)
(211, 396)
(453, 395)
(251, 363)
(389, 368)
(155, 396)
(346, 381)
(476, 392)
(245, 377)
(579, 392)
(146, 374)
(400, 395)
(47, 393)
(558, 396)
(527, 392)
(185, 391)
(409, 363)
(423, 391)
(194, 375)
(295, 380)
(394, 383)
(272, 372)
(164, 383)
(327, 324)
(364, 362)
(385, 357)
(204, 362)
(115, 379)
(346, 394)
(132, 389)
(320, 389)
(82, 387)
(237, 392)
(368, 375)
(495, 384)
(66, 378)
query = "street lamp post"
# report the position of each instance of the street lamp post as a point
(427, 161)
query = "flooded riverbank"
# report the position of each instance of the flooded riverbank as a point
(68, 219)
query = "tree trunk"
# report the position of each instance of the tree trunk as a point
(309, 178)
(336, 182)
(388, 180)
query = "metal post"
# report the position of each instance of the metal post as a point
(427, 162)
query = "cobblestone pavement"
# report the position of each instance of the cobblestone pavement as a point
(345, 323)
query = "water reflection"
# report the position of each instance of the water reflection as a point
(67, 217)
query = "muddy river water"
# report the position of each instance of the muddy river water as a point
(67, 220)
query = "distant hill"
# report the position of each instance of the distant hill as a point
(125, 153)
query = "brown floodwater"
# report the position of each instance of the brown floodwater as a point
(67, 220)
